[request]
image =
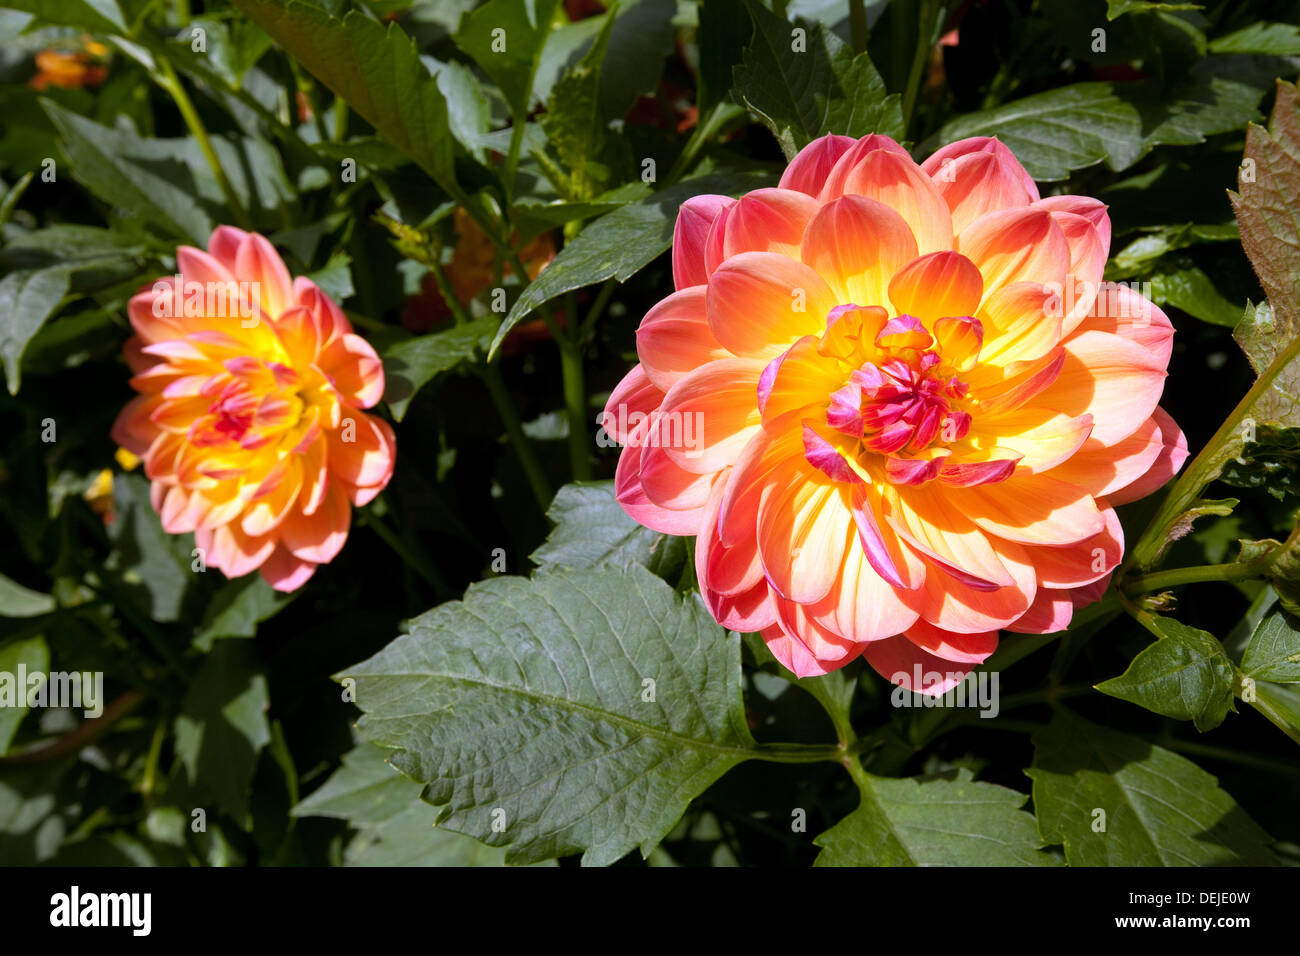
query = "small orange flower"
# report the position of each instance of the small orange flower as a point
(69, 70)
(249, 420)
(897, 404)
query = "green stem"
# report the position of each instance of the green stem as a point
(799, 753)
(1174, 577)
(575, 402)
(340, 119)
(166, 78)
(1204, 469)
(440, 279)
(512, 155)
(705, 130)
(858, 25)
(147, 781)
(1140, 614)
(597, 309)
(515, 433)
(925, 29)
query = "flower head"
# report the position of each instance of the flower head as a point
(897, 404)
(249, 416)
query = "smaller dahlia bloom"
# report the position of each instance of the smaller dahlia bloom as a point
(897, 405)
(249, 418)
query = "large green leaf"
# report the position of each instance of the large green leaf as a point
(1185, 675)
(801, 94)
(1115, 800)
(579, 711)
(222, 727)
(592, 529)
(620, 244)
(411, 364)
(376, 69)
(505, 38)
(936, 822)
(1273, 653)
(1070, 127)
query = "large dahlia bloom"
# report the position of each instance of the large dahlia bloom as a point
(249, 416)
(897, 404)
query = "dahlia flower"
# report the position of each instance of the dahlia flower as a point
(249, 416)
(897, 405)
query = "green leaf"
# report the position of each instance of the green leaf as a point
(1268, 208)
(642, 37)
(18, 601)
(28, 298)
(376, 69)
(801, 94)
(935, 822)
(413, 363)
(153, 567)
(1058, 131)
(102, 161)
(505, 38)
(1263, 334)
(1185, 675)
(592, 530)
(103, 16)
(724, 33)
(575, 127)
(1273, 653)
(468, 113)
(1267, 205)
(1142, 252)
(222, 727)
(1271, 461)
(1115, 800)
(1117, 8)
(620, 244)
(238, 607)
(1190, 289)
(33, 655)
(1263, 39)
(526, 709)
